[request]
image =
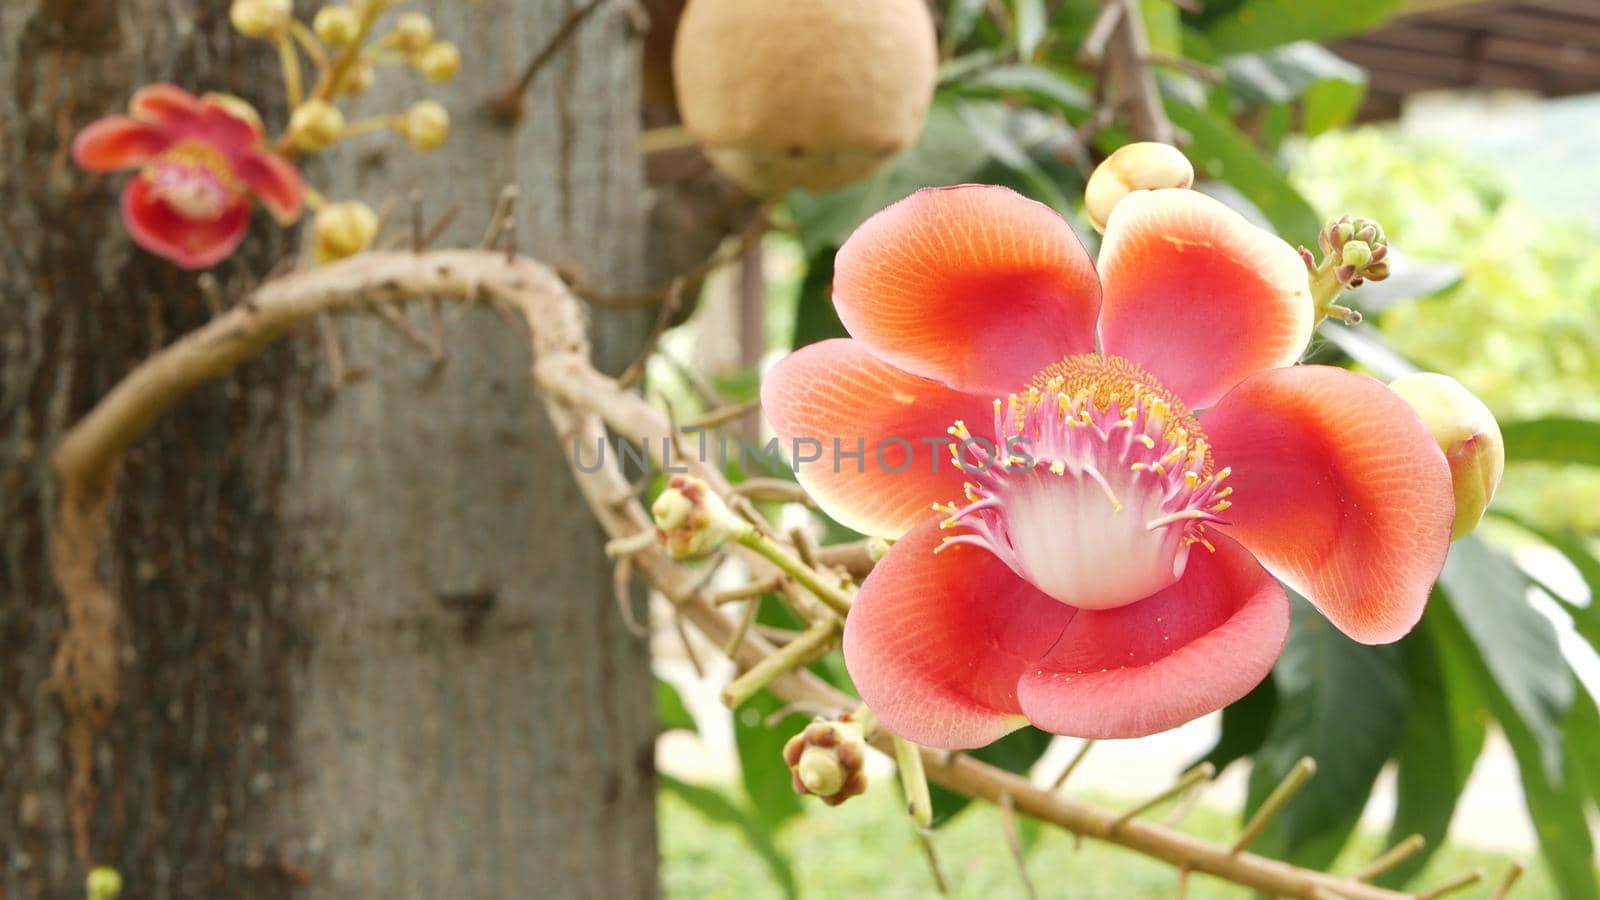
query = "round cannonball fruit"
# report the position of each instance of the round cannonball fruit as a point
(815, 94)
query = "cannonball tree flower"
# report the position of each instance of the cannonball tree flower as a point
(199, 161)
(1132, 456)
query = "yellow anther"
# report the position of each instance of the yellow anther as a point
(1058, 468)
(1192, 479)
(1148, 441)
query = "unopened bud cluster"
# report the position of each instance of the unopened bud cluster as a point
(1357, 249)
(691, 520)
(828, 760)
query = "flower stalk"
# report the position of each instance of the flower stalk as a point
(812, 644)
(807, 577)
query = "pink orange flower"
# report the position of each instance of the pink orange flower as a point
(199, 160)
(1131, 460)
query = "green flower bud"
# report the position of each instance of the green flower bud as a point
(1467, 433)
(691, 520)
(103, 883)
(427, 124)
(341, 230)
(828, 760)
(440, 62)
(337, 26)
(413, 32)
(315, 124)
(1356, 254)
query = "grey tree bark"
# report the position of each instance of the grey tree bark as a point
(368, 643)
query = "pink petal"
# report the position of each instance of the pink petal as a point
(190, 243)
(165, 104)
(1185, 651)
(117, 142)
(232, 118)
(976, 286)
(276, 181)
(936, 641)
(1339, 490)
(1198, 295)
(836, 394)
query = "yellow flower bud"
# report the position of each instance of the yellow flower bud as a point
(337, 26)
(1466, 431)
(413, 32)
(103, 883)
(315, 125)
(427, 124)
(266, 19)
(343, 229)
(356, 79)
(440, 61)
(1134, 167)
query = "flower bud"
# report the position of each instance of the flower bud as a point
(413, 32)
(827, 759)
(691, 520)
(315, 124)
(337, 26)
(1133, 167)
(440, 61)
(427, 124)
(341, 230)
(1356, 254)
(103, 883)
(266, 19)
(356, 79)
(1466, 431)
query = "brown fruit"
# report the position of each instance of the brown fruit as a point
(816, 94)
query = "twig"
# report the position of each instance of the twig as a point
(1093, 50)
(812, 643)
(1280, 796)
(688, 645)
(726, 253)
(1072, 764)
(751, 608)
(745, 592)
(1133, 77)
(794, 568)
(940, 883)
(1201, 773)
(1457, 883)
(332, 347)
(722, 416)
(1511, 876)
(1008, 824)
(1390, 858)
(507, 107)
(504, 208)
(634, 373)
(621, 584)
(913, 780)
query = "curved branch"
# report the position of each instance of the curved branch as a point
(581, 403)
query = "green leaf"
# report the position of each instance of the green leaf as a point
(1342, 704)
(1554, 801)
(1245, 724)
(991, 128)
(1517, 644)
(944, 154)
(1443, 735)
(1039, 84)
(717, 808)
(1219, 150)
(1016, 752)
(762, 771)
(1585, 619)
(1031, 21)
(1330, 88)
(1260, 24)
(1162, 26)
(670, 711)
(1583, 737)
(1409, 279)
(814, 316)
(1557, 439)
(1366, 345)
(960, 18)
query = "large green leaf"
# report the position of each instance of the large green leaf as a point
(1031, 30)
(944, 154)
(1442, 738)
(761, 767)
(1245, 724)
(1330, 88)
(1260, 24)
(1036, 83)
(1557, 439)
(814, 316)
(1585, 619)
(1554, 799)
(1005, 135)
(670, 711)
(720, 809)
(1365, 345)
(1583, 740)
(1517, 644)
(1342, 704)
(1220, 151)
(960, 17)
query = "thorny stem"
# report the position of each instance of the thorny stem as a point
(580, 403)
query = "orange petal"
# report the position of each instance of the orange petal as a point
(276, 181)
(834, 398)
(1187, 650)
(1198, 295)
(1339, 490)
(117, 142)
(936, 641)
(976, 286)
(191, 243)
(165, 104)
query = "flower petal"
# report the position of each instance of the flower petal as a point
(1198, 295)
(192, 244)
(974, 285)
(117, 142)
(835, 398)
(276, 181)
(1339, 490)
(936, 641)
(1176, 655)
(165, 104)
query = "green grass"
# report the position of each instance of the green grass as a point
(866, 849)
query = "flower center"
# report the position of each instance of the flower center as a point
(1096, 486)
(195, 180)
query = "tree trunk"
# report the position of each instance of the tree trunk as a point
(368, 644)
